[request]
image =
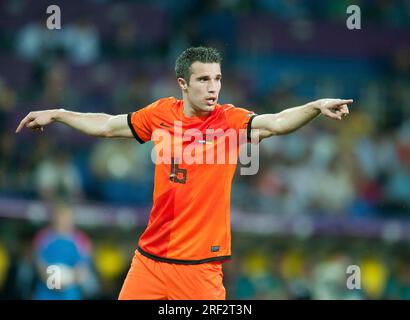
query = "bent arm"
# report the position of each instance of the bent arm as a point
(291, 119)
(94, 124)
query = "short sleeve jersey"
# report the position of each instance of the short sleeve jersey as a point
(196, 158)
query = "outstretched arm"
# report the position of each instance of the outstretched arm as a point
(94, 124)
(292, 119)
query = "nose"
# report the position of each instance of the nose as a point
(212, 86)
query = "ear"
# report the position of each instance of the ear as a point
(182, 83)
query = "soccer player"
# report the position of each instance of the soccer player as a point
(188, 237)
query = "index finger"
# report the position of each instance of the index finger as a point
(345, 101)
(22, 123)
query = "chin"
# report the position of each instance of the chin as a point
(206, 108)
(209, 108)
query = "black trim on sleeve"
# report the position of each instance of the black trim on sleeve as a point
(134, 133)
(249, 128)
(177, 261)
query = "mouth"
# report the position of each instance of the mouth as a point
(210, 101)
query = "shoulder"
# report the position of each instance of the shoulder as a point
(163, 103)
(226, 107)
(230, 109)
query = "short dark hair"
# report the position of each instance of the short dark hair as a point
(193, 54)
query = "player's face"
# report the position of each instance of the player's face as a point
(204, 86)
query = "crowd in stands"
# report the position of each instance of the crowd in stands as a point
(110, 63)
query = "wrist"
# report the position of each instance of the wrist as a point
(58, 114)
(315, 106)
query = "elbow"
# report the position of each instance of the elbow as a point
(275, 126)
(281, 132)
(107, 134)
(280, 126)
(107, 129)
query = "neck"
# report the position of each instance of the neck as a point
(190, 111)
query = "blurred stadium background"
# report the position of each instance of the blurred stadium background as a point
(332, 194)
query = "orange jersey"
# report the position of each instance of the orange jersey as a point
(190, 218)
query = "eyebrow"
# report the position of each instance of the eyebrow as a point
(207, 77)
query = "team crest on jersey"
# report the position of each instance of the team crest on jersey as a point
(214, 248)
